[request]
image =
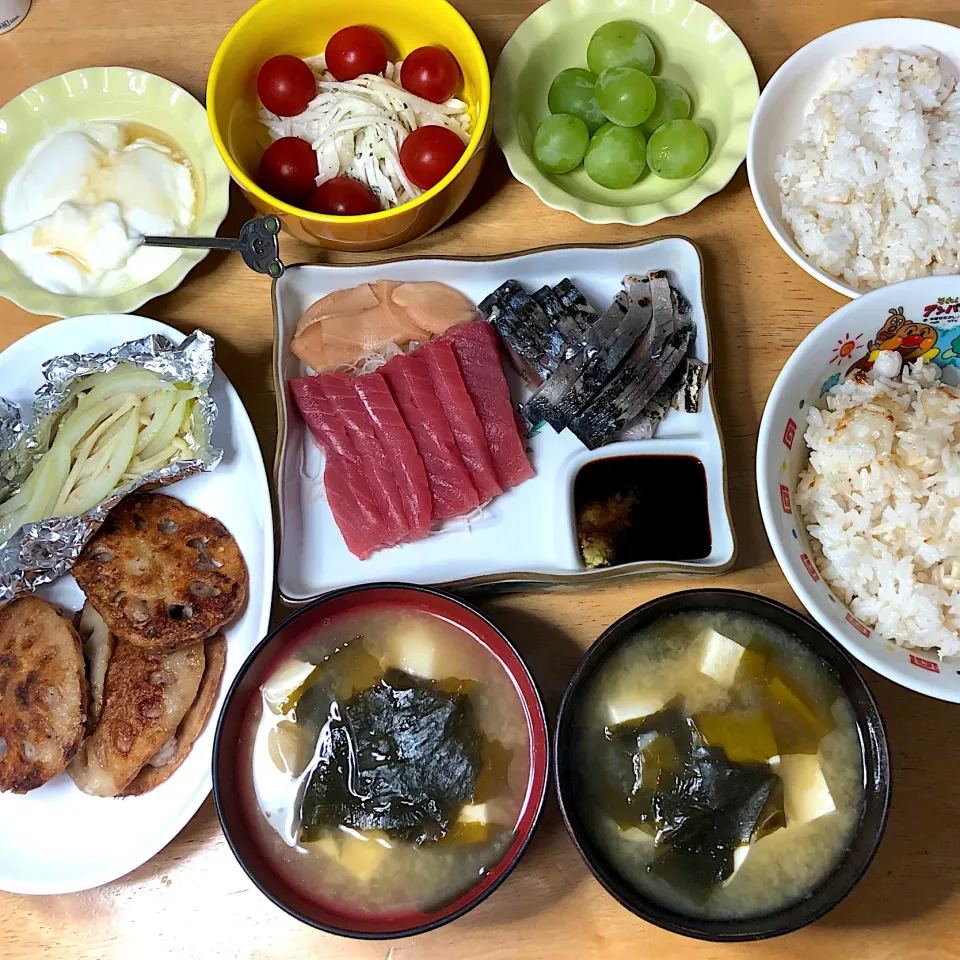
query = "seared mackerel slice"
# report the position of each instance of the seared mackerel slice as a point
(522, 347)
(631, 389)
(577, 380)
(693, 375)
(562, 321)
(526, 329)
(499, 298)
(681, 392)
(576, 304)
(542, 405)
(645, 426)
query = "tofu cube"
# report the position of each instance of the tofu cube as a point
(739, 856)
(721, 657)
(806, 795)
(474, 813)
(357, 852)
(414, 652)
(636, 707)
(284, 681)
(638, 835)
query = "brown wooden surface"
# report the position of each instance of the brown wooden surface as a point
(192, 900)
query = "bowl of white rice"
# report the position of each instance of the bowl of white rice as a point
(858, 477)
(854, 154)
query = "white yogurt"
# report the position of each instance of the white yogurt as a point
(74, 213)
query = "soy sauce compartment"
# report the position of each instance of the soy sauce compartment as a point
(642, 507)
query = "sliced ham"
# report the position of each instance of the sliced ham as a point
(397, 441)
(451, 489)
(347, 404)
(348, 493)
(462, 416)
(478, 354)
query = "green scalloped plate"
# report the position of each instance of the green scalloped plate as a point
(694, 47)
(112, 93)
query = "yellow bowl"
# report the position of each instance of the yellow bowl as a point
(112, 93)
(302, 28)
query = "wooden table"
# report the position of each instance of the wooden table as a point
(192, 900)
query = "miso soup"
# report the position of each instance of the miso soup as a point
(385, 762)
(719, 765)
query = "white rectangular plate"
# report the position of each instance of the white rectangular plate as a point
(527, 535)
(57, 839)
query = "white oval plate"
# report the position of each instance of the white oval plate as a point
(57, 839)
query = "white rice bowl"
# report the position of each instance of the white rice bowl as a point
(871, 188)
(881, 499)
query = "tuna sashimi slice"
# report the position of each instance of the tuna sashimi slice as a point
(451, 489)
(478, 353)
(461, 415)
(397, 441)
(348, 492)
(346, 403)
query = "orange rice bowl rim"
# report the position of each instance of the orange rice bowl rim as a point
(483, 118)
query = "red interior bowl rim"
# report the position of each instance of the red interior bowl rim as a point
(538, 781)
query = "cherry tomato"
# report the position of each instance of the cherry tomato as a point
(285, 85)
(431, 73)
(355, 50)
(343, 197)
(429, 154)
(288, 170)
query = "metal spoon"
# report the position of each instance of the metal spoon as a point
(258, 243)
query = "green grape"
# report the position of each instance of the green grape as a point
(574, 90)
(626, 96)
(673, 103)
(677, 150)
(616, 156)
(620, 43)
(560, 142)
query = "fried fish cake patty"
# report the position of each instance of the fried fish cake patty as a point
(42, 694)
(163, 764)
(146, 696)
(161, 574)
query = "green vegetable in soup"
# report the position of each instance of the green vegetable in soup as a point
(495, 765)
(701, 807)
(400, 756)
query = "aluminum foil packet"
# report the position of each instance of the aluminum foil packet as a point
(41, 552)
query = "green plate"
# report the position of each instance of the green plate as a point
(112, 93)
(693, 46)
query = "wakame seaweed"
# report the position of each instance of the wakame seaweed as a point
(401, 756)
(700, 806)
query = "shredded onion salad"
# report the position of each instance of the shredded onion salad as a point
(119, 427)
(357, 127)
